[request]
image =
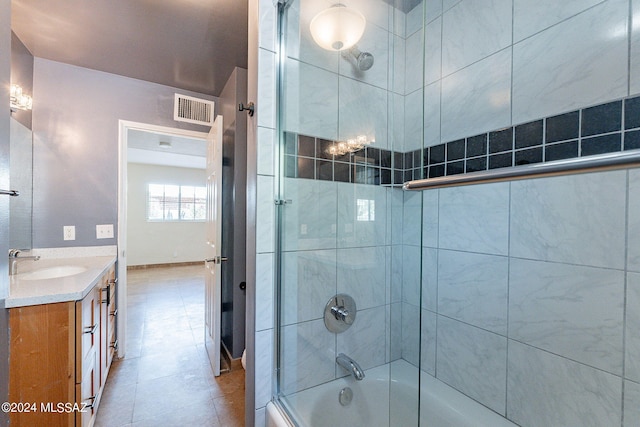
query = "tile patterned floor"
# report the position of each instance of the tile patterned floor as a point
(165, 379)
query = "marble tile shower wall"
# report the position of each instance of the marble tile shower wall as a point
(498, 63)
(340, 236)
(332, 246)
(328, 97)
(370, 103)
(263, 16)
(531, 296)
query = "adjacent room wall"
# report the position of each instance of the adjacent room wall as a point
(75, 124)
(161, 242)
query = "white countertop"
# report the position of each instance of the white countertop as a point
(69, 288)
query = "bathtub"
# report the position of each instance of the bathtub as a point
(380, 402)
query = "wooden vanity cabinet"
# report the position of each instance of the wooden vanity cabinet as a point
(59, 355)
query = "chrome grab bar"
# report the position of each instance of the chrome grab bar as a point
(559, 167)
(13, 193)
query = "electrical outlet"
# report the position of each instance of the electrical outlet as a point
(104, 231)
(69, 232)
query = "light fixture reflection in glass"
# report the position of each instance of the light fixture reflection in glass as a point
(18, 100)
(340, 148)
(338, 27)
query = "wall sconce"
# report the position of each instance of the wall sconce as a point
(18, 100)
(338, 27)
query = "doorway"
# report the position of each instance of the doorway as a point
(144, 137)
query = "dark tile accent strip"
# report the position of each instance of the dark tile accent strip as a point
(342, 172)
(525, 157)
(324, 170)
(306, 146)
(436, 154)
(436, 171)
(322, 149)
(455, 150)
(632, 140)
(501, 140)
(306, 168)
(500, 161)
(602, 119)
(477, 145)
(632, 113)
(601, 144)
(529, 135)
(477, 164)
(561, 151)
(585, 132)
(563, 127)
(455, 168)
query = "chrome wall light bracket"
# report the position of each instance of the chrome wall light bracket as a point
(250, 108)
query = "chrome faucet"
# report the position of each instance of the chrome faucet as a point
(14, 258)
(350, 365)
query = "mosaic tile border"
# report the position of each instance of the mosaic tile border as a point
(605, 128)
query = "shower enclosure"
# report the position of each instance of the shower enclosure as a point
(503, 303)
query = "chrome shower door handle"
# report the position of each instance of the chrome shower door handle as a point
(217, 259)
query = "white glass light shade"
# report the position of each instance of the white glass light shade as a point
(337, 28)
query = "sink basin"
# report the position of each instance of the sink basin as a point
(53, 272)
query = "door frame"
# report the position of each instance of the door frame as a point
(124, 126)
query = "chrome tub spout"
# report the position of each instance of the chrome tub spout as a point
(350, 365)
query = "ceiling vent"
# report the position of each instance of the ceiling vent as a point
(193, 110)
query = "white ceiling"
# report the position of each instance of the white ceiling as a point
(144, 147)
(188, 44)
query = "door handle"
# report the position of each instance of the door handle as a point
(217, 259)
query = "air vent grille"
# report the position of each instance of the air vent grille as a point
(193, 110)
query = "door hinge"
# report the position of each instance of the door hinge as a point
(283, 202)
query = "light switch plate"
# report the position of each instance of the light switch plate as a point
(104, 231)
(69, 232)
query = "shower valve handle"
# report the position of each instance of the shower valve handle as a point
(341, 313)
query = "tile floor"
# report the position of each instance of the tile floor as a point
(165, 379)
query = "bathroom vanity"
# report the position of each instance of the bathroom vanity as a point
(62, 321)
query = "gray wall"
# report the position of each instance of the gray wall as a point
(5, 73)
(234, 180)
(75, 124)
(22, 74)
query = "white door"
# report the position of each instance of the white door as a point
(212, 304)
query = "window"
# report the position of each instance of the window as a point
(365, 210)
(176, 203)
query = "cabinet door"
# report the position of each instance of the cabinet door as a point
(112, 341)
(41, 366)
(104, 331)
(87, 353)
